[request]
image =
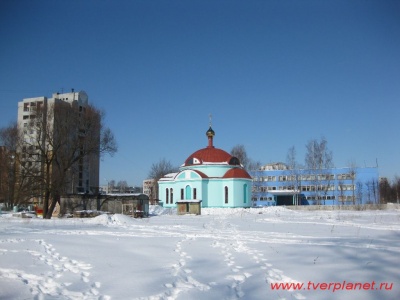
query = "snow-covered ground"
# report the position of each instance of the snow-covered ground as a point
(222, 254)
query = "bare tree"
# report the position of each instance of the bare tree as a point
(291, 158)
(60, 139)
(396, 184)
(360, 193)
(375, 190)
(4, 179)
(161, 168)
(368, 185)
(254, 165)
(15, 187)
(240, 152)
(385, 190)
(353, 175)
(294, 171)
(318, 156)
(9, 137)
(8, 169)
(341, 189)
(319, 161)
(122, 186)
(111, 186)
(157, 171)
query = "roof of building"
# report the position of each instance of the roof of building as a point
(202, 175)
(212, 155)
(237, 173)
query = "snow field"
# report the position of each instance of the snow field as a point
(222, 254)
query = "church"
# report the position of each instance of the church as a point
(210, 176)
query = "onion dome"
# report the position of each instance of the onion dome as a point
(210, 132)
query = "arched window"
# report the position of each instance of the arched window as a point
(171, 191)
(166, 196)
(226, 195)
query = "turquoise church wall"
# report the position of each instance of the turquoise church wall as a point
(210, 191)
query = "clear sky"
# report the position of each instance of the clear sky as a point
(273, 74)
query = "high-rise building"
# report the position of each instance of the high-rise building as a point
(42, 121)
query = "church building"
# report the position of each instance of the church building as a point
(211, 176)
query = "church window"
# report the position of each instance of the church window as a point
(194, 193)
(226, 195)
(193, 161)
(166, 196)
(182, 194)
(171, 191)
(188, 191)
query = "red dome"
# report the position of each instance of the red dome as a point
(237, 173)
(209, 154)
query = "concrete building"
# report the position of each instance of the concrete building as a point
(149, 188)
(211, 175)
(276, 184)
(83, 177)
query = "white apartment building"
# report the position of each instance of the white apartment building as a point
(149, 188)
(84, 176)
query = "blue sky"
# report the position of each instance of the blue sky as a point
(273, 74)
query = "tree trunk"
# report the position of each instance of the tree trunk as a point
(51, 208)
(46, 204)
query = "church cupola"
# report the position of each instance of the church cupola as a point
(210, 134)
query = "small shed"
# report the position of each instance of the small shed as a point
(135, 205)
(188, 207)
